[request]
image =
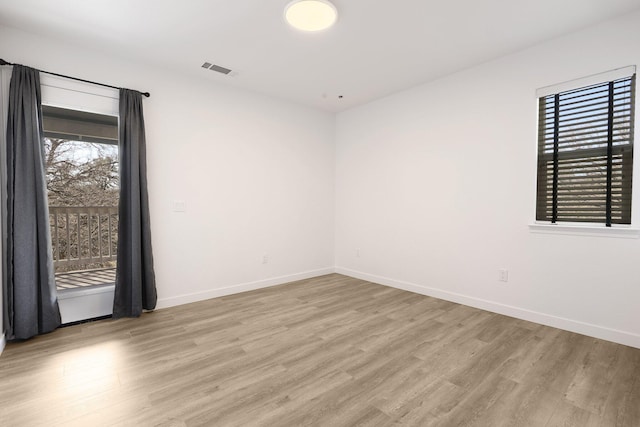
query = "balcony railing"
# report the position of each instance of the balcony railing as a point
(83, 237)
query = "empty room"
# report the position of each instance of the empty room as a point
(319, 213)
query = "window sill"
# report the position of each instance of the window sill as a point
(586, 230)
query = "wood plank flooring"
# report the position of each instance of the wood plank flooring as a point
(329, 351)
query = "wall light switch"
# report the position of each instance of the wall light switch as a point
(179, 206)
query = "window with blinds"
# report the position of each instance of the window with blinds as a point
(585, 154)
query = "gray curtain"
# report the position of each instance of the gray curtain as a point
(135, 278)
(29, 290)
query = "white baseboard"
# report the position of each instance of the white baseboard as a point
(3, 343)
(243, 287)
(596, 331)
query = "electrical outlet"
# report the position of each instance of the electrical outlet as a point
(358, 252)
(503, 275)
(265, 258)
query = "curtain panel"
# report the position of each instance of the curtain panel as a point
(135, 288)
(29, 290)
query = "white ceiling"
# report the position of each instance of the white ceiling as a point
(376, 48)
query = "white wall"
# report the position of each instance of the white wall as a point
(435, 186)
(256, 174)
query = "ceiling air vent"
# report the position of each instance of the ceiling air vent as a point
(214, 67)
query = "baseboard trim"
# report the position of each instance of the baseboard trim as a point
(243, 287)
(621, 337)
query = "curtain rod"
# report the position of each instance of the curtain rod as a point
(3, 62)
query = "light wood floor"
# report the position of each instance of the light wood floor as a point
(330, 351)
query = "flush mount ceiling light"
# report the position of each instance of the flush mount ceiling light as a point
(311, 15)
